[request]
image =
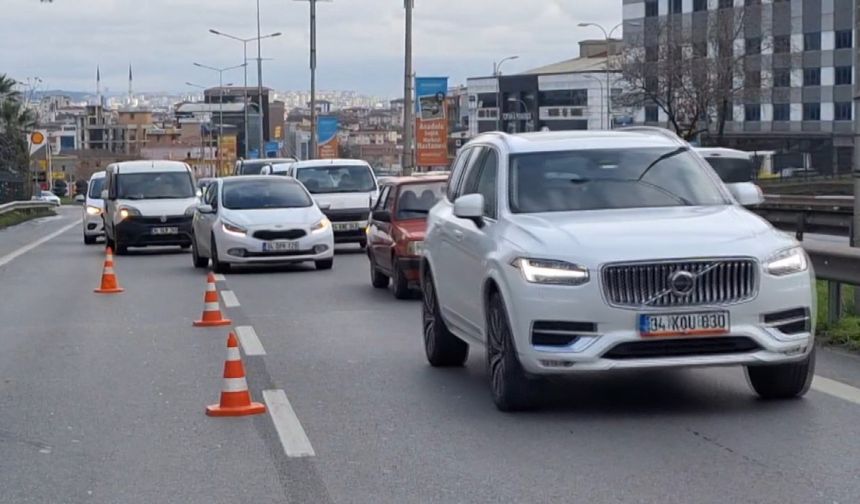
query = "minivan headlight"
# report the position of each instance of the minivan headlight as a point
(93, 210)
(233, 229)
(127, 211)
(320, 226)
(544, 271)
(786, 262)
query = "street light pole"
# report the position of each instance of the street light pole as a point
(408, 106)
(220, 72)
(600, 86)
(260, 82)
(497, 73)
(607, 37)
(313, 65)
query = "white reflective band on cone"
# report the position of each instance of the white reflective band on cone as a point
(210, 287)
(108, 271)
(233, 354)
(210, 307)
(234, 385)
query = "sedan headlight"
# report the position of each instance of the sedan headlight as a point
(127, 211)
(415, 248)
(321, 226)
(233, 229)
(786, 262)
(94, 210)
(543, 271)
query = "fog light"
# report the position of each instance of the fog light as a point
(319, 249)
(556, 363)
(238, 252)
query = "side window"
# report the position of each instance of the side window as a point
(212, 195)
(392, 198)
(383, 196)
(487, 182)
(470, 181)
(457, 173)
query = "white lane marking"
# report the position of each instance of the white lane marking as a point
(836, 389)
(293, 438)
(220, 278)
(230, 299)
(250, 342)
(26, 248)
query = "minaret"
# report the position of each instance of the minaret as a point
(130, 87)
(98, 85)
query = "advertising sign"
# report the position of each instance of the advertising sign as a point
(38, 139)
(229, 152)
(431, 128)
(327, 137)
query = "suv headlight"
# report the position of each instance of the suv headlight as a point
(415, 248)
(94, 210)
(320, 226)
(233, 229)
(786, 262)
(127, 211)
(544, 271)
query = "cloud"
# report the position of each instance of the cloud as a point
(360, 42)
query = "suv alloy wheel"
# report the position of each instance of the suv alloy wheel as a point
(512, 390)
(443, 349)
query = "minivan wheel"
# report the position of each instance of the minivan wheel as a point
(512, 390)
(783, 381)
(377, 278)
(217, 265)
(443, 349)
(199, 262)
(89, 240)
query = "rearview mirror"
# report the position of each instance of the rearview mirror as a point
(746, 193)
(324, 206)
(381, 216)
(470, 206)
(205, 209)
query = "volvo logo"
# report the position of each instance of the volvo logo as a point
(681, 283)
(163, 219)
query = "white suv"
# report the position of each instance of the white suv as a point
(588, 251)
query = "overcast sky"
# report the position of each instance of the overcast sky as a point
(360, 41)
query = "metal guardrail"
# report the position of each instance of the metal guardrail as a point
(809, 214)
(837, 264)
(25, 205)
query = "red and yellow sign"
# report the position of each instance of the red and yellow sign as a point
(431, 124)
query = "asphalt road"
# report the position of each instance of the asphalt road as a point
(102, 400)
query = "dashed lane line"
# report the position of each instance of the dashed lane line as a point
(249, 340)
(836, 389)
(293, 438)
(230, 299)
(26, 248)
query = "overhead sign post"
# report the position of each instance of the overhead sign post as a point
(432, 121)
(327, 127)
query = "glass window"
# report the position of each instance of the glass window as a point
(336, 179)
(700, 5)
(700, 49)
(781, 112)
(255, 166)
(726, 4)
(211, 198)
(811, 76)
(812, 41)
(843, 75)
(610, 178)
(264, 194)
(487, 182)
(651, 113)
(732, 170)
(416, 200)
(651, 8)
(564, 98)
(154, 185)
(97, 185)
(842, 111)
(844, 39)
(675, 6)
(752, 113)
(749, 3)
(457, 173)
(383, 196)
(752, 79)
(781, 78)
(753, 45)
(470, 182)
(811, 111)
(782, 44)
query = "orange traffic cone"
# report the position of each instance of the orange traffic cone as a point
(211, 309)
(235, 397)
(109, 283)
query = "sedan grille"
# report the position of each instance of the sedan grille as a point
(680, 283)
(682, 348)
(291, 234)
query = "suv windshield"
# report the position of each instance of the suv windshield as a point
(416, 200)
(154, 185)
(732, 170)
(96, 187)
(608, 179)
(337, 179)
(263, 194)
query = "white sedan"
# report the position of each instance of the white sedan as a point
(260, 220)
(48, 197)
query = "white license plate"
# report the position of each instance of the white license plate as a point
(684, 324)
(280, 246)
(172, 230)
(345, 226)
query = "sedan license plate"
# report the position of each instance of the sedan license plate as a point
(684, 324)
(280, 246)
(171, 230)
(345, 226)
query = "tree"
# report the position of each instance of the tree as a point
(694, 73)
(15, 122)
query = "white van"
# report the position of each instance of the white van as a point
(148, 203)
(345, 190)
(733, 166)
(94, 206)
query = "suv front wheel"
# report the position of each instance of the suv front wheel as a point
(783, 381)
(443, 349)
(512, 390)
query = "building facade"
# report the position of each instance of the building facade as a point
(797, 75)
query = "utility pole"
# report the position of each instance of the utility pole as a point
(313, 64)
(855, 234)
(408, 107)
(261, 153)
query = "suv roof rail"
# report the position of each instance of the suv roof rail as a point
(656, 130)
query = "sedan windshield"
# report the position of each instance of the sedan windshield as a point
(337, 179)
(154, 185)
(610, 178)
(96, 187)
(416, 200)
(264, 194)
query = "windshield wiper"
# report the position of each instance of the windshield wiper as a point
(662, 158)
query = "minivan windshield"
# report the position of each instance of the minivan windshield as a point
(337, 179)
(610, 178)
(154, 185)
(264, 194)
(732, 170)
(255, 166)
(97, 185)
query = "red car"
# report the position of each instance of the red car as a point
(396, 230)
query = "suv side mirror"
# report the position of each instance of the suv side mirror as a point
(470, 206)
(104, 194)
(746, 193)
(205, 209)
(381, 216)
(324, 206)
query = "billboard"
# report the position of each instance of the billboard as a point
(431, 123)
(327, 127)
(228, 153)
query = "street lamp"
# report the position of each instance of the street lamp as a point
(497, 67)
(220, 72)
(244, 42)
(600, 86)
(607, 36)
(203, 141)
(497, 73)
(313, 65)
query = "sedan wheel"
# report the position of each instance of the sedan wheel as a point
(199, 262)
(512, 390)
(443, 349)
(217, 265)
